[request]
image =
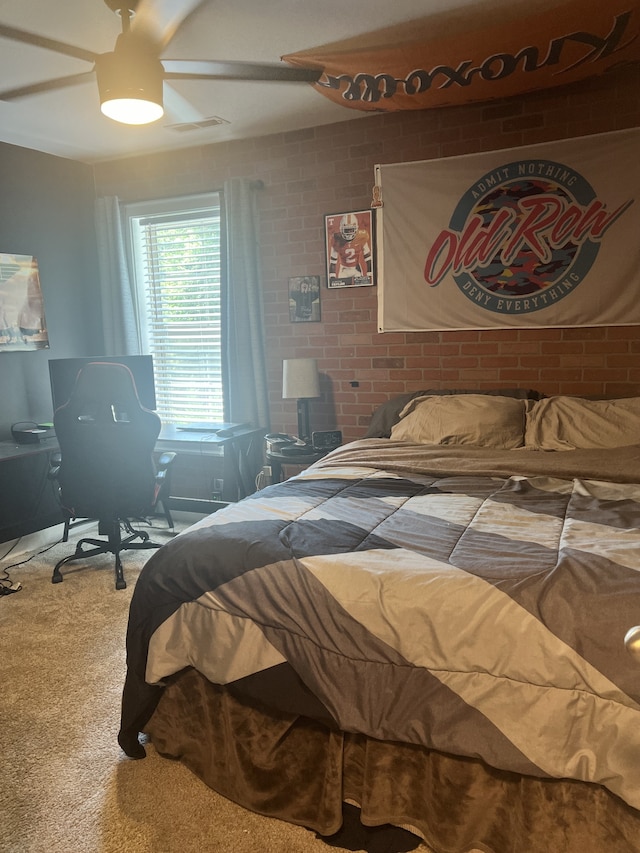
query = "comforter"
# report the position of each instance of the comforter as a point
(467, 600)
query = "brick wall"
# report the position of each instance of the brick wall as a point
(329, 169)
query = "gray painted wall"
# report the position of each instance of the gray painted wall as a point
(46, 210)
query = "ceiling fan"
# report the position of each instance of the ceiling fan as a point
(131, 77)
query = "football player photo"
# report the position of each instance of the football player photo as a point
(349, 244)
(304, 299)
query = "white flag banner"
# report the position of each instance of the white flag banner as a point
(539, 236)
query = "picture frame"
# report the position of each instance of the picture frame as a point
(304, 299)
(22, 320)
(350, 251)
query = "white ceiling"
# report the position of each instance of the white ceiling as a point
(68, 122)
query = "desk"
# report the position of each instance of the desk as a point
(28, 498)
(205, 457)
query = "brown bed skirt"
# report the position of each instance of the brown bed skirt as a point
(297, 770)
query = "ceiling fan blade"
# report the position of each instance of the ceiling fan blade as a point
(47, 86)
(47, 43)
(179, 109)
(205, 69)
(159, 20)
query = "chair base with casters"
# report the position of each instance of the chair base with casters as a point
(113, 544)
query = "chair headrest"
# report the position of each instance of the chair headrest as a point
(101, 381)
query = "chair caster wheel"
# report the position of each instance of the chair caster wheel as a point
(120, 584)
(57, 578)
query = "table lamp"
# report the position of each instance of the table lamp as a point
(300, 381)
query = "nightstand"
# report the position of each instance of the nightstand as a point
(278, 460)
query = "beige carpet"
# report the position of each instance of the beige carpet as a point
(65, 786)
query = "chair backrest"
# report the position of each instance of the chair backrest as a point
(106, 441)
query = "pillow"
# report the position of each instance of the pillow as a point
(387, 414)
(572, 423)
(478, 419)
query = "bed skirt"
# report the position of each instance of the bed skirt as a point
(300, 771)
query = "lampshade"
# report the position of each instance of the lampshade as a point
(130, 86)
(300, 378)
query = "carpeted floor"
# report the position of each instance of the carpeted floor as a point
(65, 786)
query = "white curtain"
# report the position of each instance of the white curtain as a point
(118, 302)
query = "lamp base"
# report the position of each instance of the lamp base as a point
(304, 430)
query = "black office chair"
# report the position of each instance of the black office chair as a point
(107, 470)
(161, 493)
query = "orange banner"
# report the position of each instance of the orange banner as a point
(435, 62)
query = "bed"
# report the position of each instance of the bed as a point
(427, 624)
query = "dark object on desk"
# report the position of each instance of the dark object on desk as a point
(296, 450)
(326, 439)
(27, 432)
(275, 441)
(106, 470)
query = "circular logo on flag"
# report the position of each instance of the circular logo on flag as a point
(523, 236)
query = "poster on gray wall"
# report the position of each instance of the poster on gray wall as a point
(22, 321)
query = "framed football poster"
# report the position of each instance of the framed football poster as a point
(349, 249)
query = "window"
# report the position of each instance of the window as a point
(175, 247)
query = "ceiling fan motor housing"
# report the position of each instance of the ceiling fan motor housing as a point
(129, 74)
(131, 78)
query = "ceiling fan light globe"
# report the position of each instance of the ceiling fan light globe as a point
(132, 110)
(130, 83)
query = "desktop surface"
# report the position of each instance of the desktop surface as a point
(174, 433)
(217, 427)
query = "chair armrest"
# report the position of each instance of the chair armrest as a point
(165, 459)
(163, 476)
(55, 461)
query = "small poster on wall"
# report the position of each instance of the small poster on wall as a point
(304, 299)
(22, 320)
(349, 243)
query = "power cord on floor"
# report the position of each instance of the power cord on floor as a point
(7, 586)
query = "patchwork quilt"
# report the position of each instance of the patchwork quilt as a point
(467, 600)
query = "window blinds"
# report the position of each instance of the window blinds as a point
(178, 263)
